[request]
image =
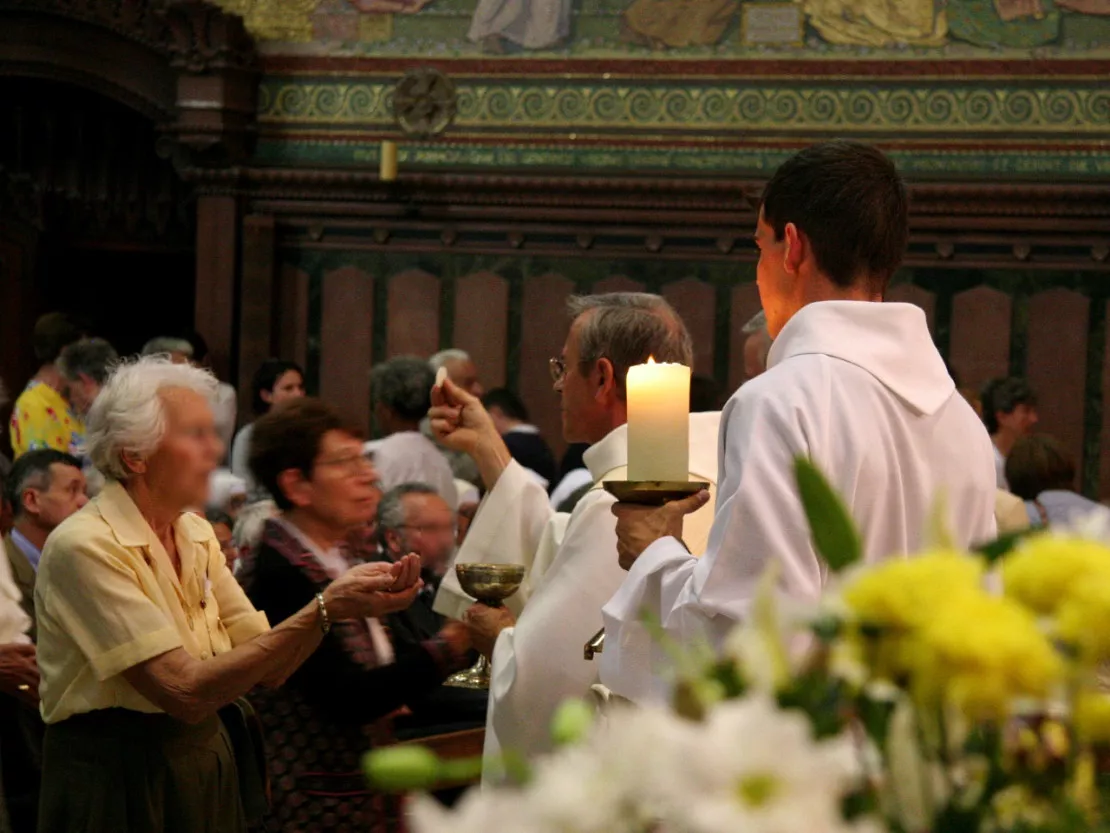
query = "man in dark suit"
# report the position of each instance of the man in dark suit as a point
(413, 518)
(43, 488)
(521, 437)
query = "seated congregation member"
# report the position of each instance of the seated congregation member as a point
(275, 383)
(400, 390)
(225, 407)
(85, 366)
(143, 632)
(44, 488)
(852, 383)
(227, 493)
(1009, 410)
(463, 372)
(1041, 472)
(413, 518)
(570, 559)
(319, 725)
(43, 417)
(523, 439)
(222, 526)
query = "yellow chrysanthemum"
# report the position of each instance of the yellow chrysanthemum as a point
(1083, 619)
(980, 653)
(902, 594)
(1047, 570)
(1092, 717)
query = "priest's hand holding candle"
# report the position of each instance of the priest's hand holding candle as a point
(658, 397)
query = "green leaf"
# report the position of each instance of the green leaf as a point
(1002, 545)
(834, 533)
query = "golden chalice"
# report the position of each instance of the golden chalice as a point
(490, 584)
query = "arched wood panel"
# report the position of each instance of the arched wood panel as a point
(1056, 364)
(481, 324)
(696, 303)
(346, 343)
(543, 336)
(980, 341)
(412, 323)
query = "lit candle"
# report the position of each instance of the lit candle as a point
(388, 170)
(658, 422)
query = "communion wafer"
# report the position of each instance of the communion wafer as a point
(441, 377)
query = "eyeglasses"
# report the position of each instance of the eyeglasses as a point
(558, 367)
(350, 466)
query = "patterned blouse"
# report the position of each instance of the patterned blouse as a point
(43, 419)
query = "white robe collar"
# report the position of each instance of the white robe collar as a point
(890, 341)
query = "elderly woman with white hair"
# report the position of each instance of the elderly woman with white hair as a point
(144, 634)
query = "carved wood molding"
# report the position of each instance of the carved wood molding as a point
(354, 192)
(185, 64)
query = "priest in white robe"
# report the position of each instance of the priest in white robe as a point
(854, 384)
(537, 640)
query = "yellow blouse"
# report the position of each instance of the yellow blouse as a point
(108, 598)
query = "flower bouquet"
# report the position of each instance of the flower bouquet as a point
(951, 692)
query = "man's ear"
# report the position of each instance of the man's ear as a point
(29, 501)
(606, 378)
(795, 246)
(296, 487)
(393, 540)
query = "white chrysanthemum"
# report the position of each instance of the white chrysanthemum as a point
(758, 769)
(479, 811)
(614, 781)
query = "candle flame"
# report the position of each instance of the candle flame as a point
(651, 360)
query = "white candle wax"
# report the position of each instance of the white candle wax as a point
(658, 422)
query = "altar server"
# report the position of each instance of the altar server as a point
(571, 559)
(854, 384)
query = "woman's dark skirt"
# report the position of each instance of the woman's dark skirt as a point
(121, 771)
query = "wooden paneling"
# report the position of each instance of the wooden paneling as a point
(907, 293)
(413, 319)
(980, 342)
(544, 334)
(217, 226)
(1056, 364)
(696, 303)
(256, 304)
(745, 304)
(292, 342)
(481, 324)
(346, 341)
(617, 283)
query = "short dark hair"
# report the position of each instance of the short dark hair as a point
(391, 508)
(289, 438)
(849, 201)
(1037, 464)
(53, 332)
(31, 470)
(508, 402)
(404, 385)
(218, 516)
(93, 357)
(266, 377)
(1003, 396)
(627, 328)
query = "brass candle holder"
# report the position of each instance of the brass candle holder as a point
(643, 493)
(489, 584)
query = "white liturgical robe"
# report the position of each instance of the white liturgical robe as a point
(860, 389)
(572, 571)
